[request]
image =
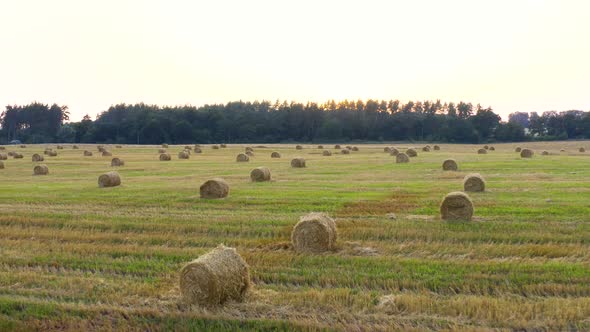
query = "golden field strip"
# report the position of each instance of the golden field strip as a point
(74, 256)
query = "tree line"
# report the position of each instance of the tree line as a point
(245, 122)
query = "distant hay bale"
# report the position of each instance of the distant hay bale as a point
(518, 149)
(161, 150)
(298, 147)
(115, 162)
(320, 147)
(23, 146)
(450, 165)
(314, 233)
(215, 277)
(100, 148)
(486, 147)
(107, 153)
(118, 146)
(188, 147)
(197, 150)
(562, 150)
(249, 149)
(37, 158)
(402, 158)
(260, 147)
(2, 148)
(393, 152)
(165, 146)
(197, 146)
(326, 153)
(337, 147)
(345, 151)
(349, 147)
(482, 151)
(411, 153)
(3, 156)
(87, 153)
(165, 157)
(456, 206)
(355, 148)
(260, 174)
(223, 146)
(215, 147)
(526, 153)
(214, 188)
(46, 151)
(581, 150)
(298, 163)
(18, 155)
(426, 149)
(41, 170)
(492, 148)
(183, 155)
(242, 157)
(387, 149)
(59, 147)
(52, 153)
(250, 153)
(110, 179)
(75, 147)
(11, 153)
(474, 182)
(545, 153)
(436, 148)
(275, 155)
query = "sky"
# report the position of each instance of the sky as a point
(517, 55)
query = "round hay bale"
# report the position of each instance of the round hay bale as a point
(187, 147)
(23, 146)
(545, 153)
(3, 156)
(214, 188)
(402, 158)
(326, 153)
(387, 149)
(320, 147)
(315, 232)
(249, 149)
(41, 170)
(298, 147)
(52, 153)
(411, 153)
(183, 155)
(118, 146)
(242, 158)
(106, 153)
(87, 153)
(2, 148)
(275, 155)
(354, 148)
(349, 147)
(75, 147)
(492, 148)
(456, 206)
(110, 179)
(581, 150)
(46, 151)
(337, 147)
(215, 147)
(197, 150)
(518, 149)
(1, 165)
(436, 148)
(59, 147)
(526, 153)
(161, 150)
(215, 277)
(426, 149)
(115, 162)
(18, 155)
(165, 157)
(37, 158)
(250, 153)
(100, 148)
(11, 153)
(165, 146)
(345, 151)
(450, 165)
(223, 146)
(298, 163)
(474, 183)
(393, 152)
(562, 150)
(486, 147)
(482, 151)
(260, 174)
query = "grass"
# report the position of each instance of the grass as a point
(77, 257)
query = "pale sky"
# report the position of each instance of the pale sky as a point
(516, 55)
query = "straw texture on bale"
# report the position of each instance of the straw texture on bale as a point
(486, 147)
(275, 155)
(249, 149)
(426, 149)
(52, 153)
(326, 153)
(165, 157)
(315, 232)
(183, 155)
(387, 149)
(337, 146)
(23, 146)
(299, 147)
(214, 188)
(87, 153)
(411, 153)
(482, 151)
(250, 153)
(215, 277)
(450, 165)
(581, 150)
(215, 147)
(474, 182)
(100, 148)
(1, 165)
(37, 157)
(41, 170)
(223, 146)
(298, 163)
(117, 162)
(18, 155)
(46, 151)
(345, 151)
(354, 148)
(197, 150)
(320, 147)
(518, 149)
(161, 150)
(402, 158)
(110, 179)
(3, 156)
(242, 157)
(59, 147)
(164, 145)
(436, 148)
(11, 153)
(187, 147)
(492, 148)
(526, 153)
(393, 152)
(545, 153)
(456, 206)
(260, 174)
(106, 153)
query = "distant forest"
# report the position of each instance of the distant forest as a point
(246, 122)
